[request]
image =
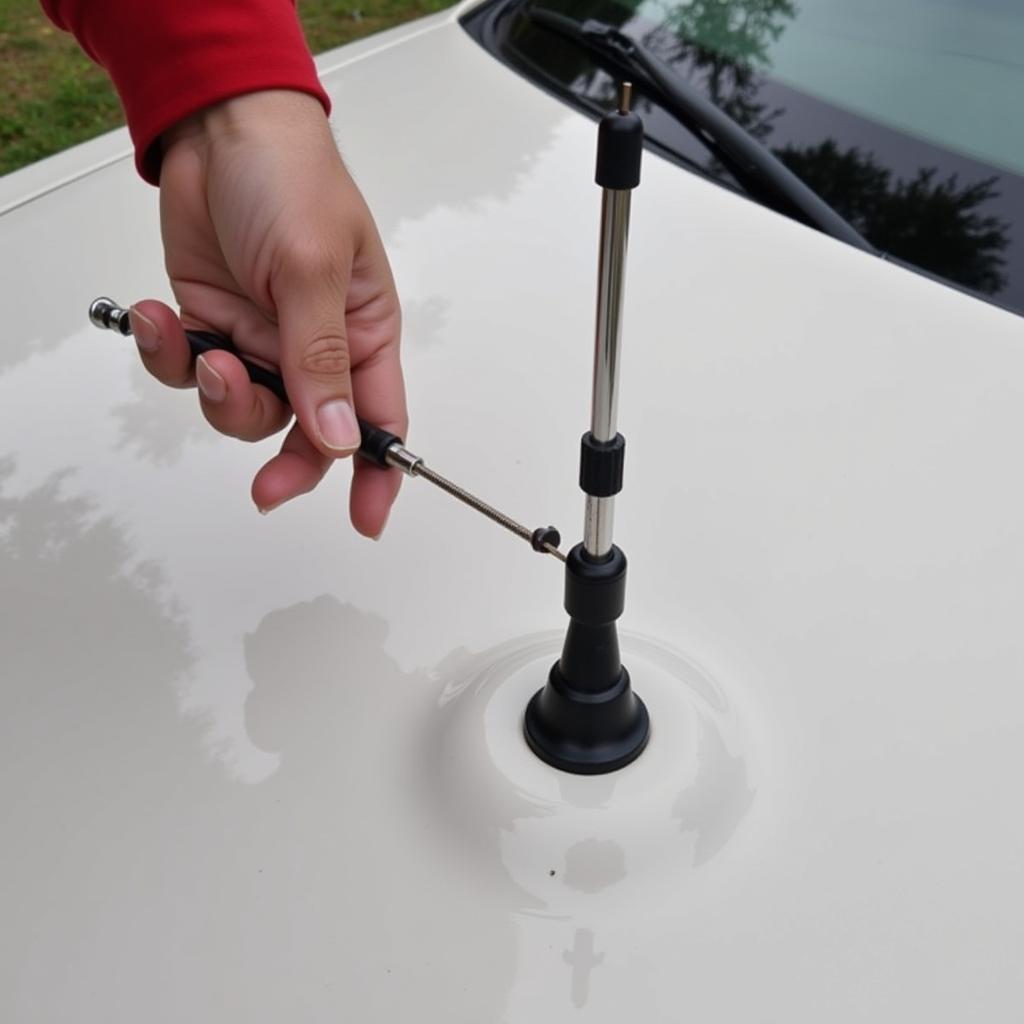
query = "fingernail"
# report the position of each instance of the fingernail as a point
(147, 337)
(267, 509)
(211, 383)
(336, 423)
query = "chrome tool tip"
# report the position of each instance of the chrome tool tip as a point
(107, 314)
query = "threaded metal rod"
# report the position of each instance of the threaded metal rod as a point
(446, 485)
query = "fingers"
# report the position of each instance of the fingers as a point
(234, 405)
(309, 293)
(380, 394)
(162, 344)
(373, 493)
(299, 467)
(230, 402)
(296, 470)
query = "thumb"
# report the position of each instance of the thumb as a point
(315, 359)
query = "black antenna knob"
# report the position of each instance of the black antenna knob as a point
(587, 720)
(620, 145)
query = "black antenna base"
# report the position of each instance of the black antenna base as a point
(587, 720)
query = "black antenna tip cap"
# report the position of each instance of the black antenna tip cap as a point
(620, 144)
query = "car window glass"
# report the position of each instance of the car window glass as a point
(901, 114)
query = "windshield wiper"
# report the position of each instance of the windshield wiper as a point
(762, 174)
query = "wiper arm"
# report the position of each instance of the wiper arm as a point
(757, 169)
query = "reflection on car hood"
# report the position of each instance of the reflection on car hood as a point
(261, 769)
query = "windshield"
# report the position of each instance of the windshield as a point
(902, 114)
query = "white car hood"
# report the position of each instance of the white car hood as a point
(260, 769)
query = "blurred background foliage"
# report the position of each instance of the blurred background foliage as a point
(54, 96)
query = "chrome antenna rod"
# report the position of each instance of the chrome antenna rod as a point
(599, 512)
(587, 719)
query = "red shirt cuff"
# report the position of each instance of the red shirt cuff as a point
(171, 58)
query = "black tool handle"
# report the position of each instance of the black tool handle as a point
(375, 441)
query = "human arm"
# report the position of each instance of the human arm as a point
(266, 236)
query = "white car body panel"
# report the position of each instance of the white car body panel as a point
(260, 769)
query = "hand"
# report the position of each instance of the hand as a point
(268, 240)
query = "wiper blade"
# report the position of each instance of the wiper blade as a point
(756, 168)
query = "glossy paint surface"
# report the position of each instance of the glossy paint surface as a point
(260, 769)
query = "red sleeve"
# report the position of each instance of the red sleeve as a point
(170, 58)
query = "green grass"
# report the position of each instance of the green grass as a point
(54, 96)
